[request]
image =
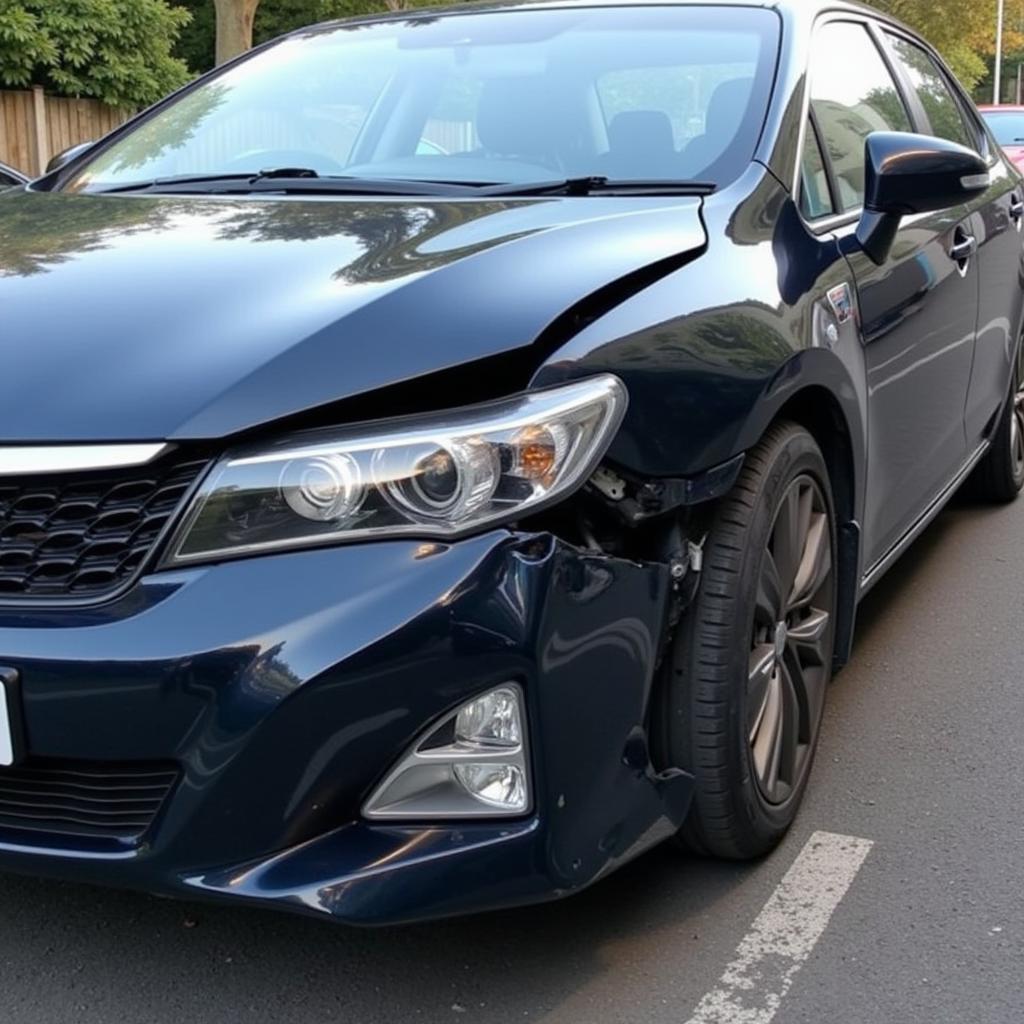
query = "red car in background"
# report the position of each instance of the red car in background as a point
(1007, 124)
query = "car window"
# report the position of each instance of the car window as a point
(852, 94)
(1007, 126)
(943, 111)
(815, 200)
(507, 96)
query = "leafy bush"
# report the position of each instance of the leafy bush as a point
(117, 51)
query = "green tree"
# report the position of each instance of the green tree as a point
(117, 51)
(197, 45)
(963, 31)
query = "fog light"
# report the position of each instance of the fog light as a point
(491, 720)
(500, 785)
(471, 765)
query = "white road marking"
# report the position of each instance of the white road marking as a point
(784, 934)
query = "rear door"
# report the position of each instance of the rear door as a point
(918, 310)
(996, 218)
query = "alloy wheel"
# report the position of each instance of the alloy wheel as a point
(792, 640)
(1017, 423)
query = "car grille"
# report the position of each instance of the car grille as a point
(84, 799)
(86, 534)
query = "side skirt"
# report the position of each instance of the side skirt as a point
(878, 570)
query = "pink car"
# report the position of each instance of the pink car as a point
(1007, 124)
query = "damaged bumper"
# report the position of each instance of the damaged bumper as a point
(279, 690)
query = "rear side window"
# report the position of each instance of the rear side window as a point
(933, 90)
(853, 95)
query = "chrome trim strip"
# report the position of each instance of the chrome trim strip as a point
(875, 573)
(27, 460)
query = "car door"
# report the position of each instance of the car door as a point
(918, 309)
(996, 219)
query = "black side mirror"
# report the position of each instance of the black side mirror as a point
(65, 156)
(907, 173)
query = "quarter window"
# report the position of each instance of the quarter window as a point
(853, 95)
(936, 97)
(815, 200)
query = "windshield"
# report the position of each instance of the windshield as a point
(1007, 126)
(637, 93)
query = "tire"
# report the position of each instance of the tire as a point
(999, 476)
(741, 718)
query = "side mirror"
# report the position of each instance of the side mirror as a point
(906, 173)
(65, 156)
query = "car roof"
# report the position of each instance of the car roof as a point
(1010, 108)
(792, 10)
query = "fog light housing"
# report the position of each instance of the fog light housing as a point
(471, 765)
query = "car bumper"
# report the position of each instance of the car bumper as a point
(284, 687)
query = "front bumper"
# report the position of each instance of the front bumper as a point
(284, 687)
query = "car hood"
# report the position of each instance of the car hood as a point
(169, 317)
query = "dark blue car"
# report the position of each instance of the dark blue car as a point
(441, 455)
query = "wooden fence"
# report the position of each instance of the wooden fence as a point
(34, 127)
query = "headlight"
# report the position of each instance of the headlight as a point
(441, 475)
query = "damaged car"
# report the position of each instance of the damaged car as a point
(441, 454)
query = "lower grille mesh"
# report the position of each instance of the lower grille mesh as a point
(84, 799)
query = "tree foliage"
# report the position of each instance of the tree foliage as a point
(275, 18)
(118, 51)
(963, 31)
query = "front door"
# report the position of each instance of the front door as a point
(918, 310)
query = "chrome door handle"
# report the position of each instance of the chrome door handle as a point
(1016, 210)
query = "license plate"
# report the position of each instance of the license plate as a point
(10, 718)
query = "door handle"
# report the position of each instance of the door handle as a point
(1016, 209)
(963, 248)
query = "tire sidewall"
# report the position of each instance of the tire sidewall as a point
(794, 454)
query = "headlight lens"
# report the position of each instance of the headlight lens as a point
(441, 475)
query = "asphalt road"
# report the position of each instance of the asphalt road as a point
(921, 754)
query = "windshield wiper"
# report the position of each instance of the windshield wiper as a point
(292, 180)
(596, 184)
(306, 181)
(209, 181)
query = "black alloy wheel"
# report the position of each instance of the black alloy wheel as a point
(792, 640)
(1017, 421)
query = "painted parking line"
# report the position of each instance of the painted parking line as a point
(783, 935)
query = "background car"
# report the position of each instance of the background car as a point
(1007, 125)
(10, 177)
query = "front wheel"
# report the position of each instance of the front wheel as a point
(753, 657)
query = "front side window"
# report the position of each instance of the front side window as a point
(853, 95)
(675, 93)
(933, 90)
